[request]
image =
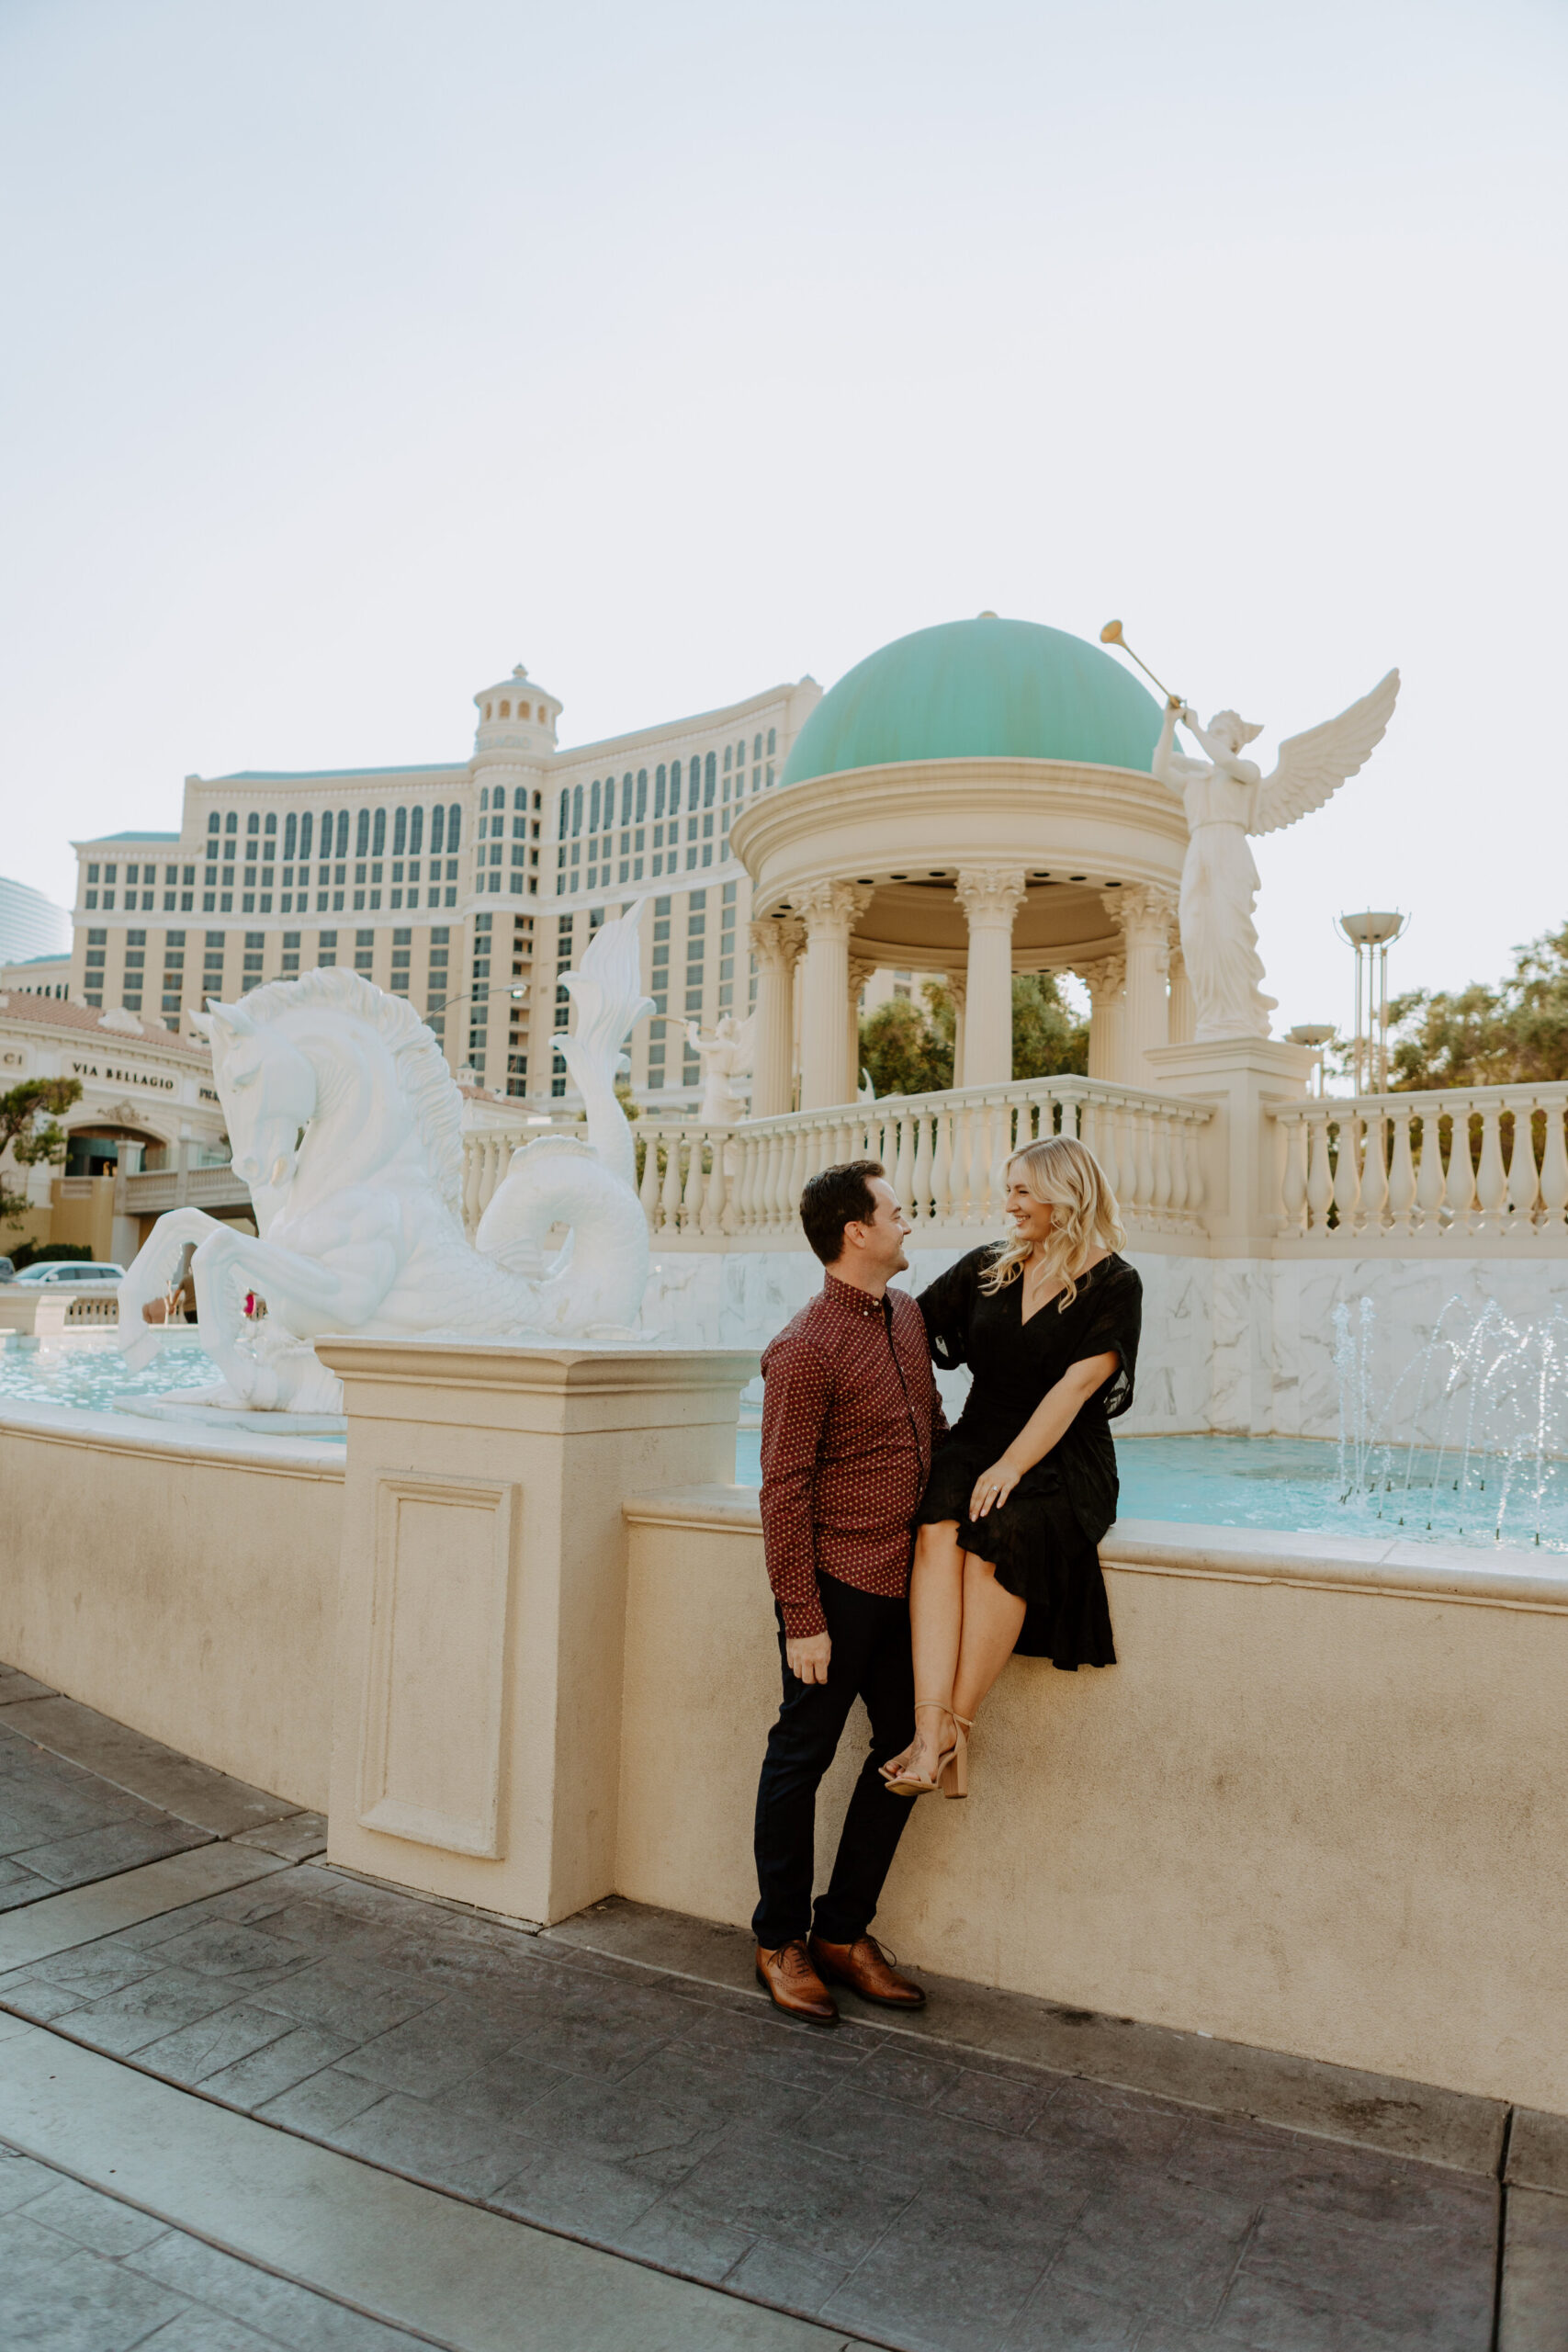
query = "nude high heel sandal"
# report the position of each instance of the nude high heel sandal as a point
(953, 1774)
(950, 1761)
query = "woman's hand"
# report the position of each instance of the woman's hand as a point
(992, 1487)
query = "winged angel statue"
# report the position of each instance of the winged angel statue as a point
(1226, 797)
(346, 1127)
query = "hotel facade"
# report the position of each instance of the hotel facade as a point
(470, 889)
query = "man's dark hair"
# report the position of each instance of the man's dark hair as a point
(837, 1197)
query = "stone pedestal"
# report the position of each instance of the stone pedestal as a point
(1240, 1075)
(481, 1602)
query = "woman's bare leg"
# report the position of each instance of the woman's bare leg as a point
(936, 1628)
(992, 1622)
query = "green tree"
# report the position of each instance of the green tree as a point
(30, 1133)
(1481, 1035)
(1046, 1039)
(908, 1049)
(903, 1050)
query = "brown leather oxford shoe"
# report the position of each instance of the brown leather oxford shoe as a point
(793, 1986)
(865, 1968)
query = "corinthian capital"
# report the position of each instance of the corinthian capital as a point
(1105, 979)
(1142, 910)
(777, 939)
(832, 907)
(990, 895)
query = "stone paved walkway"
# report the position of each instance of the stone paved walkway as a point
(919, 2195)
(81, 2270)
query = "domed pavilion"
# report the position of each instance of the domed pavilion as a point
(973, 800)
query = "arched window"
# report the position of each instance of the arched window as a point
(593, 806)
(416, 832)
(710, 780)
(399, 832)
(773, 741)
(343, 832)
(627, 798)
(484, 798)
(231, 822)
(326, 832)
(454, 827)
(437, 828)
(727, 759)
(362, 834)
(378, 837)
(271, 824)
(214, 821)
(253, 823)
(306, 828)
(565, 808)
(520, 796)
(506, 711)
(487, 711)
(524, 710)
(576, 808)
(659, 790)
(291, 835)
(641, 794)
(674, 787)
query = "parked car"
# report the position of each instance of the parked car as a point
(69, 1270)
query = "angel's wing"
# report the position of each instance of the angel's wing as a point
(1313, 766)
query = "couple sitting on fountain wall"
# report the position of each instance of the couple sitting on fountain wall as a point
(1001, 1515)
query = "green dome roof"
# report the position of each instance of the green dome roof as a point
(980, 689)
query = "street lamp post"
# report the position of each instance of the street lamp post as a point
(1371, 935)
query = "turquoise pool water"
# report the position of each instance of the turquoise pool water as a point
(1295, 1483)
(1288, 1483)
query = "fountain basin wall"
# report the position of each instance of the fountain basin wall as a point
(1320, 1805)
(181, 1581)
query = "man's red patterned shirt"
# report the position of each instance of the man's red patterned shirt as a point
(850, 1416)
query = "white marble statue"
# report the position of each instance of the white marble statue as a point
(726, 1057)
(1227, 797)
(345, 1124)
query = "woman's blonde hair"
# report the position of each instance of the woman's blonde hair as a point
(1064, 1174)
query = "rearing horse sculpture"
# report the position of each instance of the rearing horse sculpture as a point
(345, 1124)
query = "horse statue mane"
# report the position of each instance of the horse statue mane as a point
(428, 1085)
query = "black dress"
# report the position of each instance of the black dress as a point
(1044, 1539)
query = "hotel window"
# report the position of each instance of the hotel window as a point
(399, 832)
(454, 831)
(291, 951)
(361, 835)
(364, 950)
(416, 834)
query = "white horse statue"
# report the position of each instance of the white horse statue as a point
(345, 1124)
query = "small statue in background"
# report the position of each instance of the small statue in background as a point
(726, 1057)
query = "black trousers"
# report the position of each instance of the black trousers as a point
(870, 1660)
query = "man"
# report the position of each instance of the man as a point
(850, 1413)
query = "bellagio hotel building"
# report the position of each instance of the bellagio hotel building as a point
(456, 886)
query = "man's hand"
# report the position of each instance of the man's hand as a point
(807, 1656)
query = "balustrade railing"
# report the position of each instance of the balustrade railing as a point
(1489, 1160)
(946, 1156)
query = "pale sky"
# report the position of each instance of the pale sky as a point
(355, 350)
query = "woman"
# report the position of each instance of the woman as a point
(1023, 1489)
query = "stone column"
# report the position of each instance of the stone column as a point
(959, 994)
(481, 1602)
(1183, 1009)
(831, 909)
(1104, 980)
(775, 941)
(1146, 917)
(990, 896)
(860, 972)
